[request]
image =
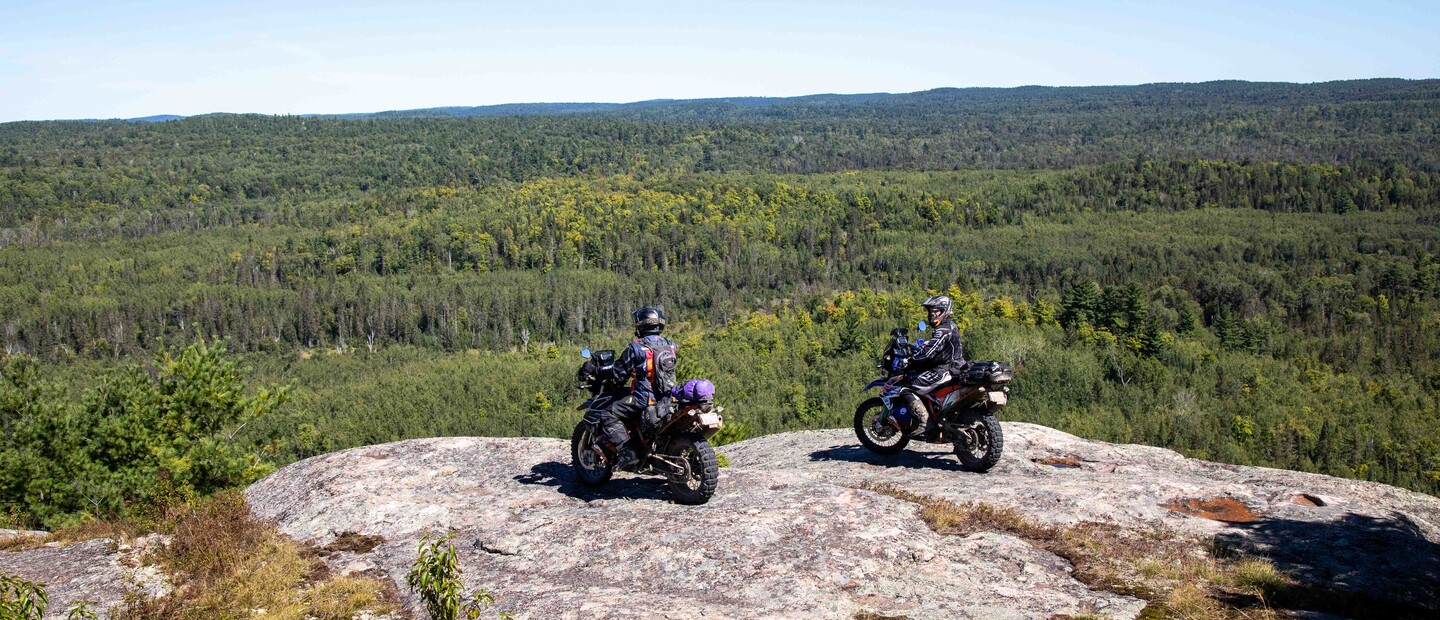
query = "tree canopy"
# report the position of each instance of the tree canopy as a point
(1244, 272)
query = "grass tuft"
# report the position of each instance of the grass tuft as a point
(1259, 577)
(343, 597)
(21, 543)
(226, 564)
(115, 529)
(1182, 577)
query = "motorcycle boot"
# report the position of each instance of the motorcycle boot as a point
(625, 459)
(922, 415)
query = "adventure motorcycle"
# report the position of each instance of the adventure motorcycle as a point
(671, 438)
(963, 408)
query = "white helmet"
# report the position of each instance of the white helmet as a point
(941, 303)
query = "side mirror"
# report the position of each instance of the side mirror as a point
(585, 353)
(922, 326)
(899, 332)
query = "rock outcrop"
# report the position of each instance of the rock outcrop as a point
(791, 533)
(101, 571)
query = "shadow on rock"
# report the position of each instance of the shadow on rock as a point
(562, 477)
(906, 458)
(1358, 566)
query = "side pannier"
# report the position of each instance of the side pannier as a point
(987, 372)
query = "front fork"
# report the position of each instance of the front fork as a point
(592, 420)
(888, 416)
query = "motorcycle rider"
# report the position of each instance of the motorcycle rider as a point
(932, 365)
(649, 364)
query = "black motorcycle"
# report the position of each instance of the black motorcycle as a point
(671, 438)
(964, 407)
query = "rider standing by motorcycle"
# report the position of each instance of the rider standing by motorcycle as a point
(931, 366)
(649, 365)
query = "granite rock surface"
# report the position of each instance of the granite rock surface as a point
(791, 533)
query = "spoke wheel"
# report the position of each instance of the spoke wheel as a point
(591, 466)
(880, 437)
(697, 483)
(980, 443)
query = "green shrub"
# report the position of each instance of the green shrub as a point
(137, 433)
(21, 599)
(435, 576)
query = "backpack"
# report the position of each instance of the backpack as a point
(660, 363)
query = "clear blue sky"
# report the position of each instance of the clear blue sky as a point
(120, 58)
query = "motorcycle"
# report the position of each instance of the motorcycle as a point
(671, 439)
(964, 407)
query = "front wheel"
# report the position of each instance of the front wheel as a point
(701, 470)
(591, 467)
(980, 442)
(885, 437)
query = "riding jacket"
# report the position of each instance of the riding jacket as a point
(942, 351)
(646, 360)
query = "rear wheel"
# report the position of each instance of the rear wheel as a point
(980, 442)
(885, 437)
(696, 484)
(591, 467)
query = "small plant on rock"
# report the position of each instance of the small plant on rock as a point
(1259, 577)
(435, 576)
(21, 599)
(80, 610)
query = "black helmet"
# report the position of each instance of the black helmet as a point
(648, 320)
(938, 302)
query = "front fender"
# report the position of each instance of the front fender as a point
(874, 384)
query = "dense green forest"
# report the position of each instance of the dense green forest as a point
(1242, 272)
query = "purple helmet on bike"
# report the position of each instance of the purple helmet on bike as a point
(693, 390)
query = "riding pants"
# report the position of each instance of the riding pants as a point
(924, 383)
(612, 420)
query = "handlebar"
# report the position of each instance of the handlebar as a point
(899, 349)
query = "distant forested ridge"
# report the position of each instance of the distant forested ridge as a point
(1244, 272)
(62, 168)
